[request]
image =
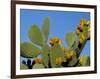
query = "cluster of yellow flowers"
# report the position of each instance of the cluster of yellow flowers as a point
(55, 40)
(83, 23)
(58, 60)
(68, 53)
(71, 53)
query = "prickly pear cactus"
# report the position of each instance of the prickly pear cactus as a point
(54, 54)
(29, 50)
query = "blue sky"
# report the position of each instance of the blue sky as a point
(61, 22)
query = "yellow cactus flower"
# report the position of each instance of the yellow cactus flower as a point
(77, 31)
(58, 40)
(63, 49)
(89, 29)
(52, 41)
(88, 37)
(82, 22)
(55, 40)
(82, 38)
(38, 60)
(82, 59)
(58, 61)
(88, 22)
(70, 54)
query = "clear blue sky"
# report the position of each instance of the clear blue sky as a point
(61, 22)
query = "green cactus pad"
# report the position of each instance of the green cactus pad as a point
(46, 28)
(45, 53)
(73, 62)
(86, 32)
(37, 66)
(56, 53)
(23, 67)
(84, 60)
(35, 35)
(70, 38)
(29, 50)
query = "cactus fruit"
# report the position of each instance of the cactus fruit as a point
(38, 60)
(55, 40)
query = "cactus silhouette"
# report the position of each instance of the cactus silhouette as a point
(54, 54)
